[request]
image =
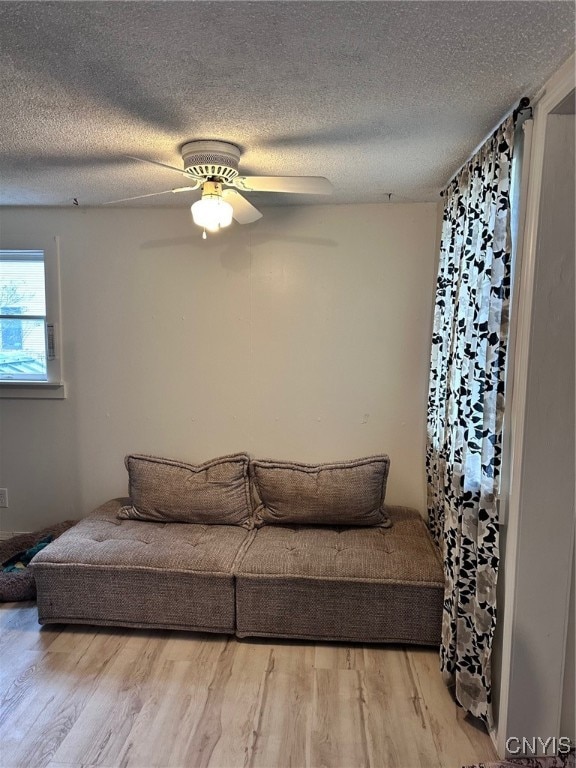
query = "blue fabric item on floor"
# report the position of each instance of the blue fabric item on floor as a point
(21, 560)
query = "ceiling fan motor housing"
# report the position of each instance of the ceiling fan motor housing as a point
(211, 159)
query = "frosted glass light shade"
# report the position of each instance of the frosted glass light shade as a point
(212, 213)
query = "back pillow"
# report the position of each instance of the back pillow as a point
(214, 493)
(342, 493)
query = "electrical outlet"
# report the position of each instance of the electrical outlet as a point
(3, 497)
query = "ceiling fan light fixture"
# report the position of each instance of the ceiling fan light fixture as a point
(212, 212)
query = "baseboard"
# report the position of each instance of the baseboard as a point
(8, 534)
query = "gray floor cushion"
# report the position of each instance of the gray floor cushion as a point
(143, 574)
(349, 584)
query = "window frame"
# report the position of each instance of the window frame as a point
(53, 387)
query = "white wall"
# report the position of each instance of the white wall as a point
(303, 336)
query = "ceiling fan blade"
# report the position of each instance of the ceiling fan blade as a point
(197, 183)
(307, 185)
(162, 165)
(152, 194)
(242, 210)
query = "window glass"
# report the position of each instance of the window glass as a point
(22, 316)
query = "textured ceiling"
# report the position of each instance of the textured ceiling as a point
(380, 97)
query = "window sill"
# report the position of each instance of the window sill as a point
(32, 390)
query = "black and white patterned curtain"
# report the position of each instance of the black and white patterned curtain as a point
(465, 410)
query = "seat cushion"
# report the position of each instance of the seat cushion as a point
(132, 573)
(349, 584)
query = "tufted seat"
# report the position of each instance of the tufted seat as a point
(350, 584)
(365, 584)
(133, 573)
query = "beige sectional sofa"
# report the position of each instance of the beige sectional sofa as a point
(255, 548)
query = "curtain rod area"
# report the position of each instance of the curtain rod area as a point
(523, 105)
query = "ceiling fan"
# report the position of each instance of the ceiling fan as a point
(212, 167)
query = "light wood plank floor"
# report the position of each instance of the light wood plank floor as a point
(87, 696)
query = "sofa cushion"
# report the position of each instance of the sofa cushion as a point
(342, 493)
(114, 571)
(348, 584)
(214, 493)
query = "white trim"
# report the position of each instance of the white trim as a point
(32, 390)
(560, 85)
(511, 374)
(54, 365)
(561, 82)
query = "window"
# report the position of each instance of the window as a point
(22, 316)
(30, 365)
